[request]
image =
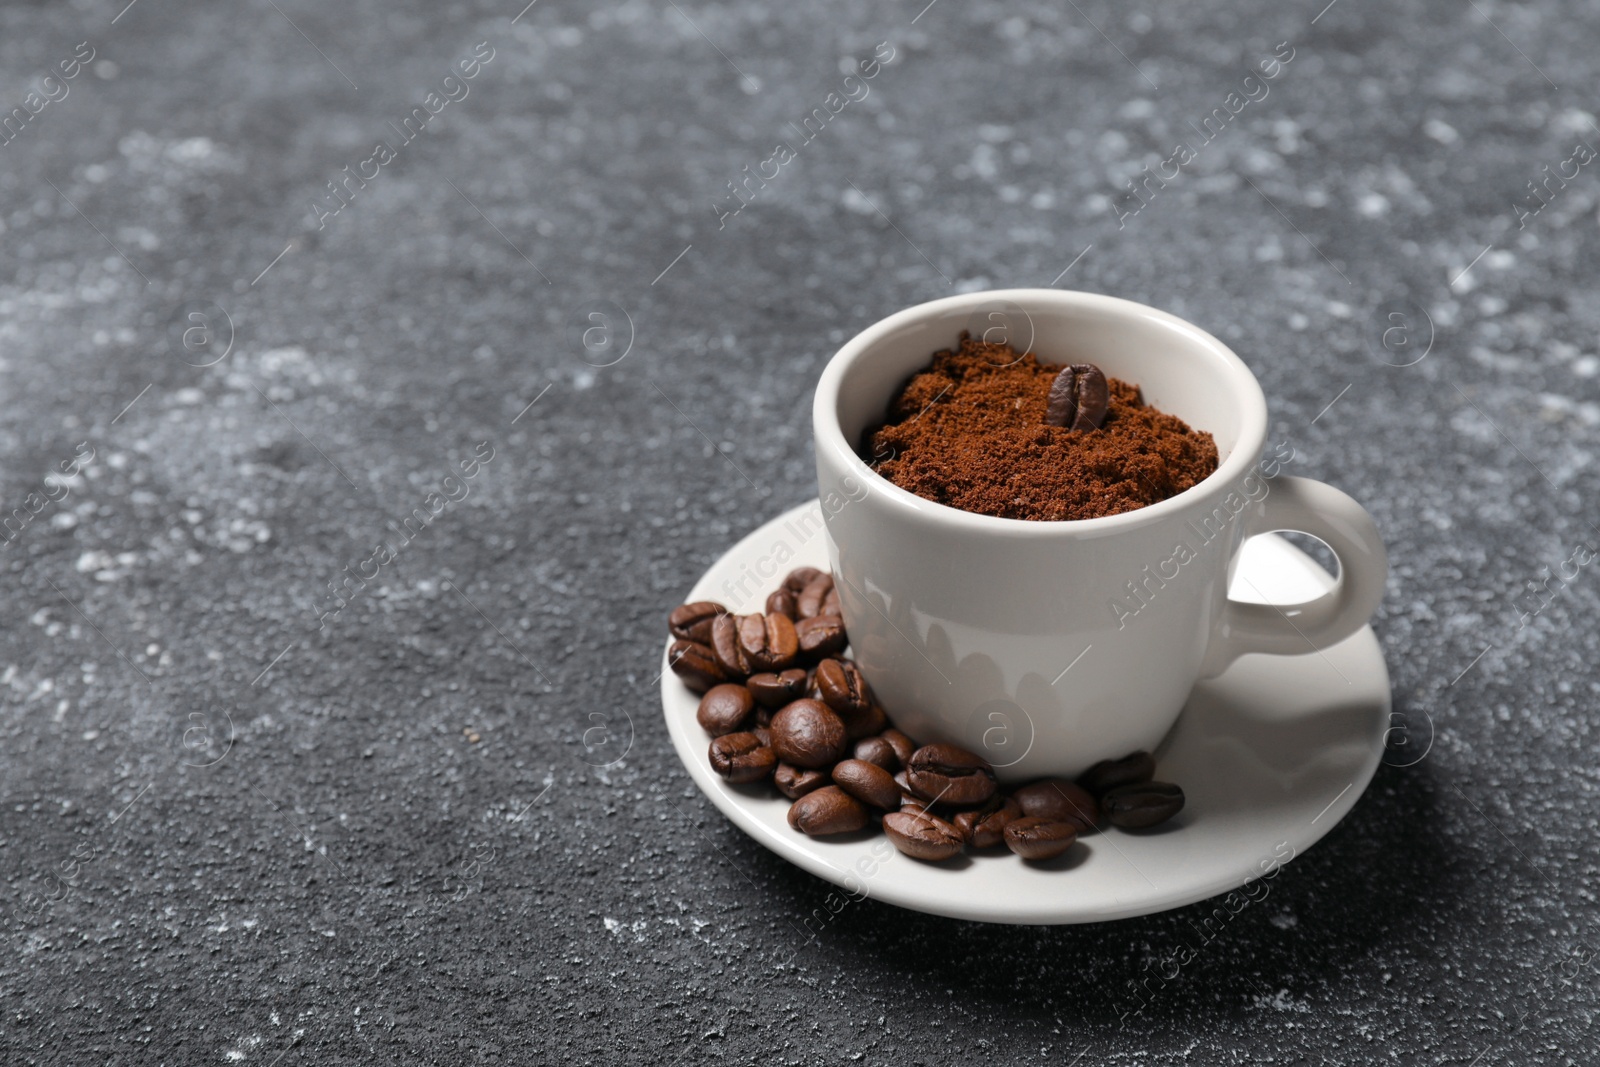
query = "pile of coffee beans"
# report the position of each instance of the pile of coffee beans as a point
(783, 705)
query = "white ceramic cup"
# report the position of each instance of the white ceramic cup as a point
(1048, 646)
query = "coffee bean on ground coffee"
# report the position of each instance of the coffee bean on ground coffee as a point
(836, 754)
(971, 431)
(1079, 398)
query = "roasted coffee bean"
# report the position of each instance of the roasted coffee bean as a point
(781, 602)
(1059, 800)
(725, 646)
(1034, 838)
(725, 709)
(775, 690)
(807, 733)
(742, 757)
(877, 751)
(868, 725)
(763, 715)
(1141, 806)
(829, 810)
(692, 622)
(842, 687)
(985, 826)
(868, 783)
(991, 829)
(830, 603)
(764, 735)
(901, 780)
(822, 635)
(945, 774)
(795, 782)
(809, 602)
(922, 836)
(1111, 774)
(1079, 398)
(695, 664)
(768, 642)
(903, 746)
(800, 577)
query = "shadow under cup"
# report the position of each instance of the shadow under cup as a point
(1042, 646)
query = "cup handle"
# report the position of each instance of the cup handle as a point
(1315, 508)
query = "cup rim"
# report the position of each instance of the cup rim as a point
(828, 434)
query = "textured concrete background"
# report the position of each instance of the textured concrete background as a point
(412, 840)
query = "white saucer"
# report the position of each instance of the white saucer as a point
(1271, 755)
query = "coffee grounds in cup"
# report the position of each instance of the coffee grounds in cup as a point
(970, 431)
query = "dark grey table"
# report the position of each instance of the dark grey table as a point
(244, 823)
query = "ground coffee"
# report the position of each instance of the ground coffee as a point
(972, 432)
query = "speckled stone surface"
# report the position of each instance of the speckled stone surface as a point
(242, 827)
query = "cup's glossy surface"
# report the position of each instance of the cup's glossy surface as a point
(1047, 646)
